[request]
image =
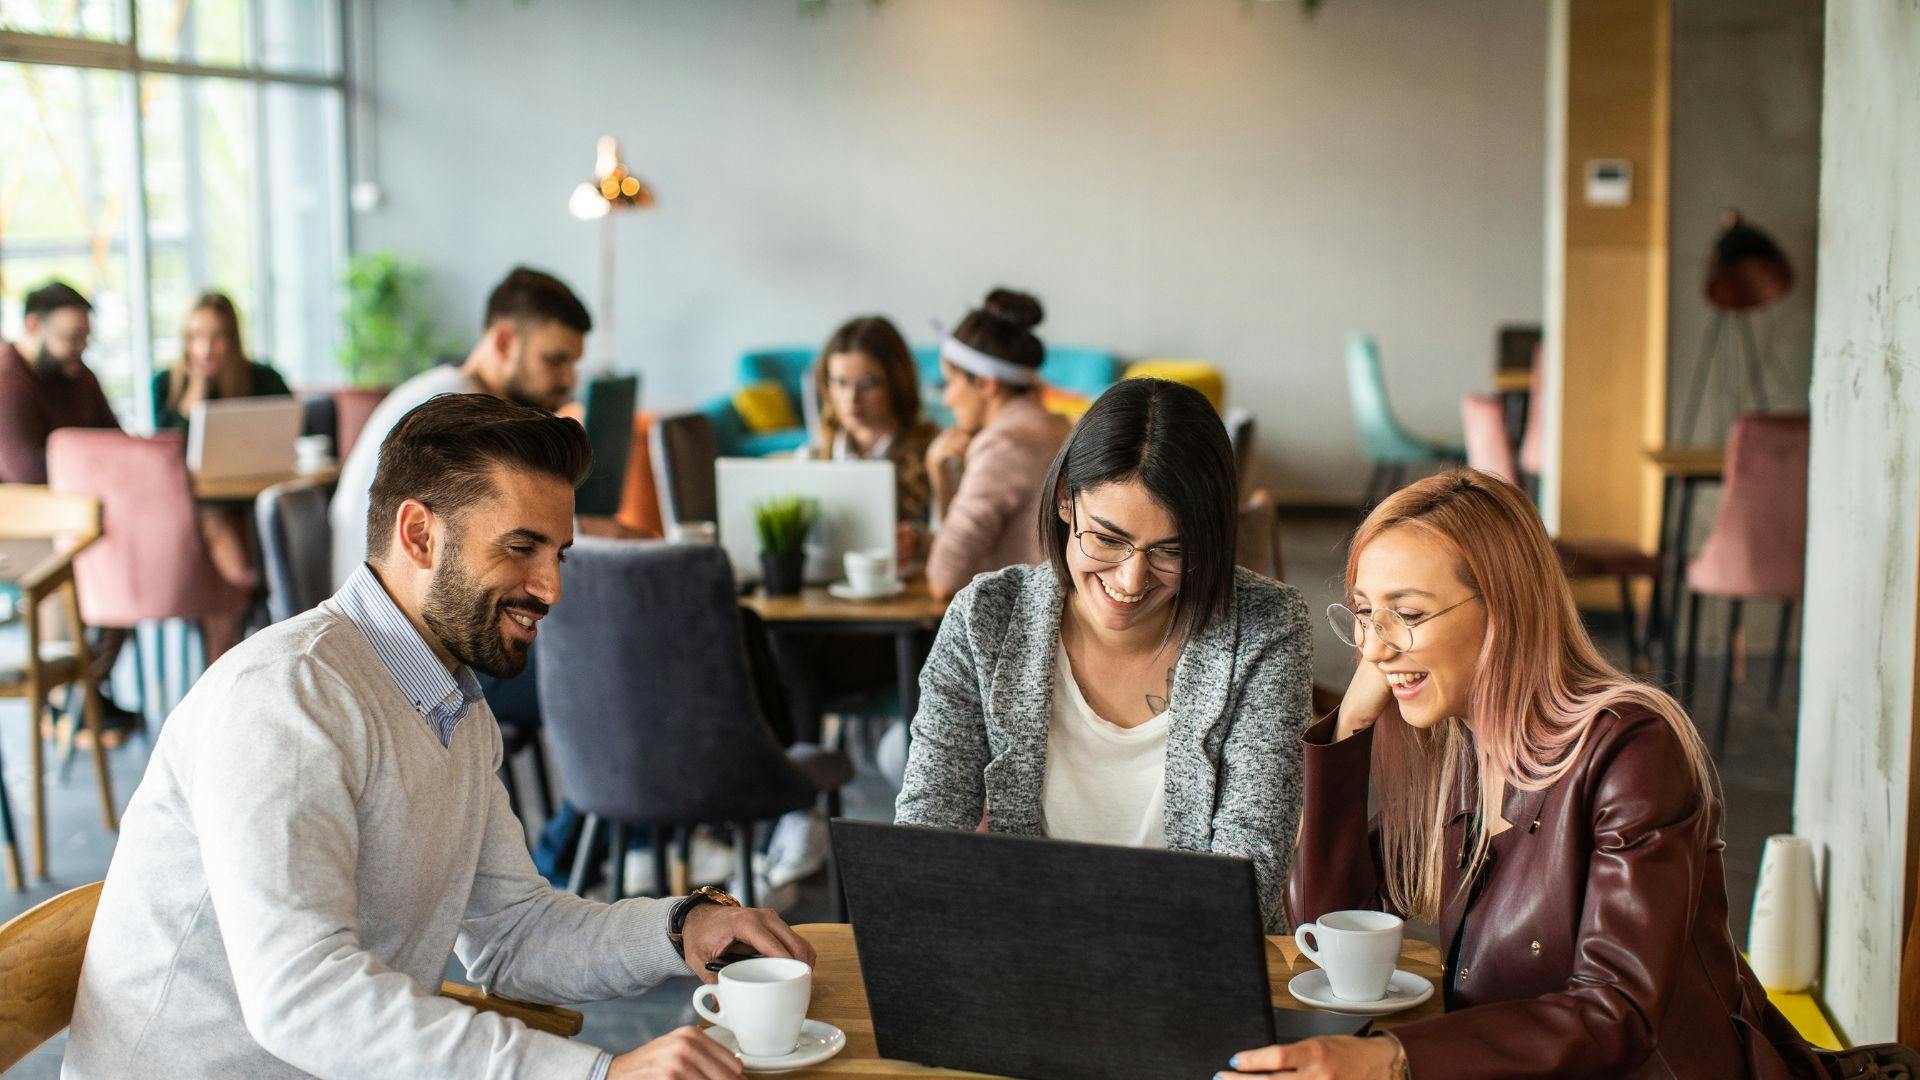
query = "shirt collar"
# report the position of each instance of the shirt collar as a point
(844, 450)
(441, 695)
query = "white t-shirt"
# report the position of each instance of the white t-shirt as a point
(1105, 784)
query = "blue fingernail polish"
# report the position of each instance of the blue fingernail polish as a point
(1234, 1063)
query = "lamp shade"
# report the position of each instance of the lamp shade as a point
(611, 188)
(1747, 269)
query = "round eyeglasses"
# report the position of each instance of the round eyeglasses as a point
(1100, 547)
(1394, 630)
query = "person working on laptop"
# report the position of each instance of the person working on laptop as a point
(534, 331)
(985, 470)
(1138, 688)
(213, 365)
(1556, 818)
(322, 826)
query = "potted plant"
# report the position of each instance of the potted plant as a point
(783, 524)
(388, 333)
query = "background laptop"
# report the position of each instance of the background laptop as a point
(1041, 958)
(242, 437)
(855, 500)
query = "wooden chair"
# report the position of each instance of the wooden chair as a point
(42, 949)
(50, 530)
(1259, 551)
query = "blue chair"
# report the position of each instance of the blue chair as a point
(1391, 447)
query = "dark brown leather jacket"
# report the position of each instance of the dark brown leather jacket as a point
(1595, 940)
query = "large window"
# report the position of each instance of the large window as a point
(152, 150)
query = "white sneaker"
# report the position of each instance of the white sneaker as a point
(799, 847)
(711, 861)
(890, 757)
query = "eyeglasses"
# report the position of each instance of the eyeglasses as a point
(858, 386)
(1395, 630)
(1111, 549)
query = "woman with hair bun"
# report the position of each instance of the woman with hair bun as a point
(987, 470)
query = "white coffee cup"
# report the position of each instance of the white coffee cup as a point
(763, 1002)
(311, 453)
(868, 571)
(691, 532)
(1357, 950)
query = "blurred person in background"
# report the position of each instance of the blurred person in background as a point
(213, 365)
(987, 470)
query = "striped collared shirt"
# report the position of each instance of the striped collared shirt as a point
(442, 697)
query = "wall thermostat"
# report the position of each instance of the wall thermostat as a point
(1609, 182)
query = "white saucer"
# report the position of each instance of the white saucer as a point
(819, 1041)
(1404, 991)
(841, 590)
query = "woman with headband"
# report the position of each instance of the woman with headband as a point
(987, 470)
(1137, 688)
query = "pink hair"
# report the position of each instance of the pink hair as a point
(1538, 685)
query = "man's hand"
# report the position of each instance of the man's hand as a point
(683, 1054)
(710, 929)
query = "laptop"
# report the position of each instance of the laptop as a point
(1041, 958)
(854, 498)
(242, 437)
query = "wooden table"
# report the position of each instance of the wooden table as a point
(248, 488)
(1683, 469)
(840, 999)
(903, 618)
(1513, 381)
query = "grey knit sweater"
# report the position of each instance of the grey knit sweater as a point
(1241, 698)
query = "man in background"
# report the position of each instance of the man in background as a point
(45, 384)
(534, 332)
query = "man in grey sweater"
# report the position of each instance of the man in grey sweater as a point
(320, 826)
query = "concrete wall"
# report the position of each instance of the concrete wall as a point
(1856, 712)
(1213, 178)
(1746, 135)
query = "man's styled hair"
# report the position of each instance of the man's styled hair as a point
(529, 294)
(443, 454)
(53, 296)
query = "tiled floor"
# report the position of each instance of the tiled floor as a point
(1757, 774)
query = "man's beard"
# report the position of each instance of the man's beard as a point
(51, 369)
(518, 393)
(465, 616)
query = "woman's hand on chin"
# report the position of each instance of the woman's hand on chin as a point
(1368, 699)
(1341, 1057)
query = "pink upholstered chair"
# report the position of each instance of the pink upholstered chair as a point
(1757, 549)
(150, 561)
(1489, 450)
(351, 409)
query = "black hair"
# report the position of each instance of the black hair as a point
(1168, 437)
(1002, 327)
(443, 454)
(526, 293)
(53, 296)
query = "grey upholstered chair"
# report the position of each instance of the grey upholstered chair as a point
(296, 546)
(684, 451)
(650, 708)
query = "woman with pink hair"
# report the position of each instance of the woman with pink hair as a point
(1556, 819)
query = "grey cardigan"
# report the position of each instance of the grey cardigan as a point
(1241, 699)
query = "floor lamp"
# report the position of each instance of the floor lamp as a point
(612, 190)
(1746, 272)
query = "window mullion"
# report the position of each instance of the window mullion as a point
(139, 268)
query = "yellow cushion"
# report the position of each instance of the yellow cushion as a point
(1198, 374)
(763, 407)
(1807, 1018)
(1066, 403)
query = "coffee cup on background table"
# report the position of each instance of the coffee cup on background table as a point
(691, 532)
(869, 571)
(763, 1002)
(1357, 949)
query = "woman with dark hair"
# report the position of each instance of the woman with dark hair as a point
(213, 365)
(986, 469)
(1137, 688)
(869, 394)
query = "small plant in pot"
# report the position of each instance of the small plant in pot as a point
(784, 524)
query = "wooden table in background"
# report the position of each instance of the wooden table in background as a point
(1682, 470)
(840, 999)
(248, 488)
(903, 618)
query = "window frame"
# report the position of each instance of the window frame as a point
(61, 51)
